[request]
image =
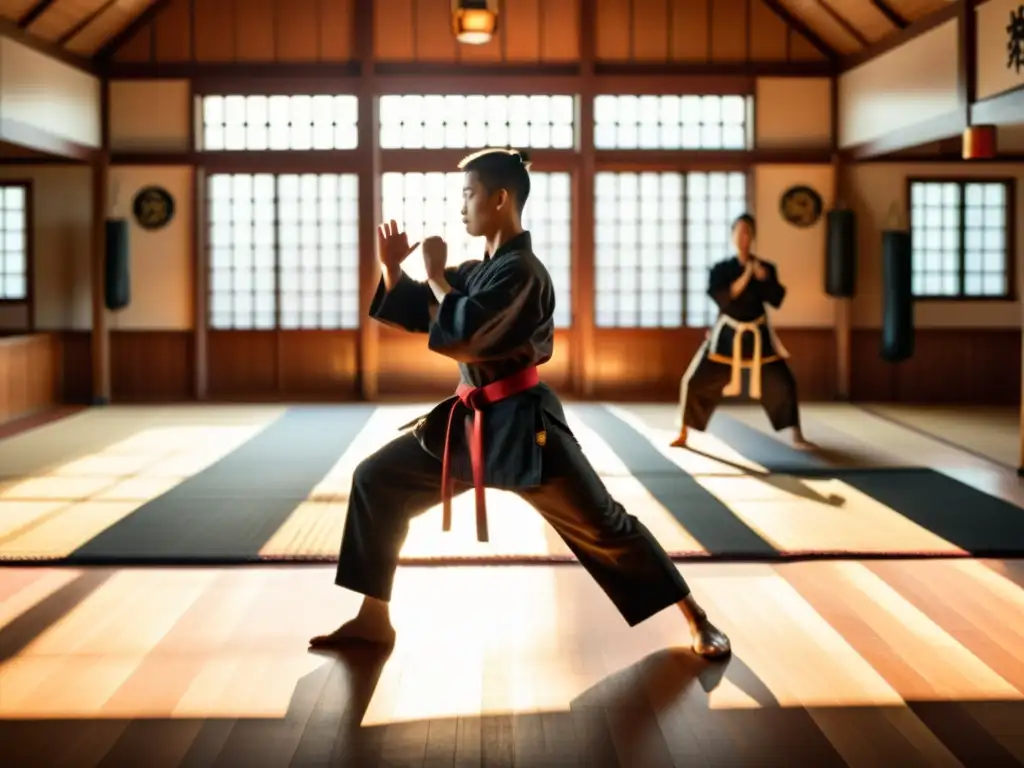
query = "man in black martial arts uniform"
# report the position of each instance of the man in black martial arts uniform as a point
(494, 317)
(741, 338)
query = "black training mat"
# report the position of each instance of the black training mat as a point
(230, 510)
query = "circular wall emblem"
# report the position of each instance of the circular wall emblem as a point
(801, 206)
(153, 207)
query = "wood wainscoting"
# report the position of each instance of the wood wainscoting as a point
(949, 365)
(641, 364)
(29, 374)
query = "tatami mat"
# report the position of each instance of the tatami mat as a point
(235, 484)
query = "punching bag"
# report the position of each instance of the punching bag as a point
(841, 254)
(117, 282)
(897, 297)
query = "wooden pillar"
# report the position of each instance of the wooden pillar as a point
(369, 205)
(583, 349)
(843, 316)
(100, 336)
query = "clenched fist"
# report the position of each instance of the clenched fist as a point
(435, 257)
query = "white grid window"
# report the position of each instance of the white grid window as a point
(425, 204)
(472, 122)
(253, 123)
(657, 236)
(318, 250)
(670, 122)
(283, 251)
(14, 254)
(959, 239)
(713, 201)
(548, 217)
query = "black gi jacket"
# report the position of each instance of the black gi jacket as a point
(747, 307)
(496, 321)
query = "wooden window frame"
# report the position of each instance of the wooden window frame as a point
(276, 327)
(1009, 256)
(29, 299)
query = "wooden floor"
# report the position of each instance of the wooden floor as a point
(863, 664)
(890, 662)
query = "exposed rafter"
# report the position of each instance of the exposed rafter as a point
(126, 34)
(33, 13)
(798, 26)
(843, 22)
(85, 21)
(890, 13)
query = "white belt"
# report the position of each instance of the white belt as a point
(735, 385)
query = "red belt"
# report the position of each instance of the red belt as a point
(476, 398)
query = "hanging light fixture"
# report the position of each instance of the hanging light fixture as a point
(474, 22)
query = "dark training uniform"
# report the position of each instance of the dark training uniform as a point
(741, 338)
(496, 323)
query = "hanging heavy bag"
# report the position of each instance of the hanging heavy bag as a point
(897, 297)
(841, 254)
(117, 276)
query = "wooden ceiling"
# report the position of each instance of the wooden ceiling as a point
(86, 27)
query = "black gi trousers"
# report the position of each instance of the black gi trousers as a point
(402, 480)
(702, 385)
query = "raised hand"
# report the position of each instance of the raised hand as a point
(435, 257)
(758, 268)
(393, 245)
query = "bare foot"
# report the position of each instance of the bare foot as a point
(709, 641)
(362, 630)
(680, 442)
(800, 442)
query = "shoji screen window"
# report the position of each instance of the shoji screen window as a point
(657, 236)
(671, 122)
(283, 251)
(257, 123)
(458, 121)
(960, 232)
(14, 221)
(430, 204)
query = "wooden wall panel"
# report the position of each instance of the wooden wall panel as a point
(290, 365)
(649, 364)
(531, 31)
(722, 31)
(949, 366)
(211, 31)
(151, 366)
(29, 374)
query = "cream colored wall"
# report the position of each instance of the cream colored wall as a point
(149, 115)
(993, 76)
(161, 260)
(798, 253)
(49, 95)
(61, 243)
(910, 85)
(871, 189)
(153, 116)
(793, 113)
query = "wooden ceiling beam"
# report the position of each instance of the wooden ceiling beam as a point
(84, 22)
(12, 31)
(797, 25)
(843, 22)
(111, 47)
(33, 13)
(890, 13)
